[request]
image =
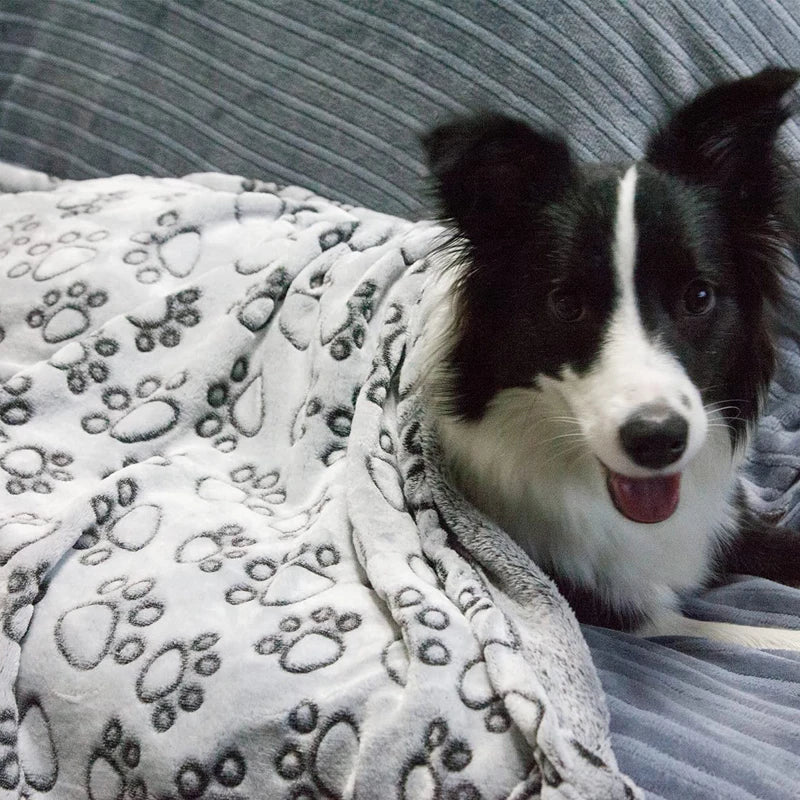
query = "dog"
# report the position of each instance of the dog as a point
(599, 350)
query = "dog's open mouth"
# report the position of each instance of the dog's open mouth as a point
(644, 499)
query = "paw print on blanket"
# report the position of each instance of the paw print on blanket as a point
(195, 781)
(209, 548)
(85, 362)
(337, 419)
(306, 644)
(164, 325)
(476, 692)
(172, 679)
(9, 763)
(15, 408)
(172, 249)
(350, 331)
(114, 624)
(319, 758)
(433, 772)
(113, 763)
(63, 315)
(118, 523)
(261, 300)
(79, 202)
(25, 587)
(301, 575)
(138, 416)
(34, 469)
(44, 259)
(236, 406)
(259, 490)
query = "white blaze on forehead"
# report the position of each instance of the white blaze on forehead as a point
(625, 234)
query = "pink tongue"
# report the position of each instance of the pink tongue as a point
(645, 499)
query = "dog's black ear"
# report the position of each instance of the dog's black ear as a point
(490, 169)
(725, 137)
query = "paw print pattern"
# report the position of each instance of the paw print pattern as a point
(165, 327)
(477, 693)
(337, 420)
(44, 259)
(236, 406)
(432, 650)
(35, 469)
(15, 408)
(25, 588)
(81, 203)
(306, 645)
(112, 770)
(436, 766)
(9, 764)
(63, 315)
(298, 578)
(209, 548)
(118, 523)
(85, 362)
(173, 250)
(138, 416)
(350, 333)
(261, 301)
(260, 491)
(171, 679)
(321, 767)
(194, 781)
(114, 624)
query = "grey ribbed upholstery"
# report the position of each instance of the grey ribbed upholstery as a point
(331, 94)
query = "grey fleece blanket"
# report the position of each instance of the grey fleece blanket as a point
(227, 567)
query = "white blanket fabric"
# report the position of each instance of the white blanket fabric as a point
(228, 563)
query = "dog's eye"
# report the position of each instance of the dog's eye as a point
(698, 298)
(566, 305)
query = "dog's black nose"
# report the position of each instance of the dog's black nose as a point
(655, 436)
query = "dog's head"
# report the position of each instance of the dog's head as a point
(636, 293)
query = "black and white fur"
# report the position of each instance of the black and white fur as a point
(602, 323)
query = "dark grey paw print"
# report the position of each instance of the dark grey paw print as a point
(261, 301)
(137, 416)
(79, 203)
(113, 765)
(351, 332)
(259, 490)
(9, 765)
(44, 259)
(210, 549)
(236, 406)
(172, 678)
(118, 523)
(85, 362)
(166, 326)
(318, 759)
(336, 419)
(114, 624)
(195, 781)
(308, 644)
(173, 250)
(476, 692)
(63, 315)
(301, 575)
(15, 408)
(437, 765)
(35, 469)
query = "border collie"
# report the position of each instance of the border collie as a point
(599, 350)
